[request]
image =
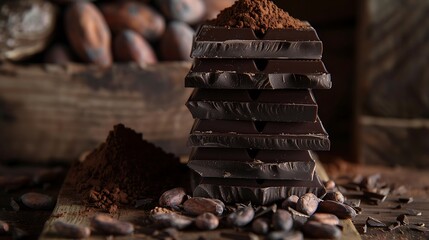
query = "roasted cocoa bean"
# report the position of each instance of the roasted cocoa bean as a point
(131, 47)
(282, 235)
(188, 11)
(290, 202)
(106, 224)
(307, 203)
(68, 230)
(313, 229)
(340, 210)
(241, 217)
(172, 220)
(37, 201)
(207, 221)
(282, 220)
(334, 196)
(325, 218)
(176, 43)
(172, 198)
(261, 226)
(197, 206)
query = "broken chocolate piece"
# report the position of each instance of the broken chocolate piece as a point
(222, 42)
(406, 200)
(403, 219)
(373, 222)
(265, 164)
(255, 105)
(259, 135)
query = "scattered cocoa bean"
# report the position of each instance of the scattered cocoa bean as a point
(261, 226)
(106, 224)
(176, 43)
(4, 227)
(131, 47)
(290, 202)
(88, 33)
(340, 210)
(373, 222)
(241, 217)
(313, 229)
(207, 221)
(172, 198)
(406, 200)
(171, 220)
(68, 230)
(307, 203)
(330, 185)
(403, 219)
(325, 218)
(198, 205)
(334, 196)
(299, 219)
(282, 235)
(188, 11)
(37, 201)
(282, 220)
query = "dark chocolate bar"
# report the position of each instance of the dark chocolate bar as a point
(253, 164)
(253, 105)
(258, 74)
(222, 42)
(259, 192)
(259, 135)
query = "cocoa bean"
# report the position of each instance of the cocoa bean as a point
(340, 210)
(334, 196)
(307, 203)
(188, 11)
(68, 230)
(207, 221)
(37, 201)
(325, 218)
(330, 185)
(290, 202)
(298, 218)
(281, 235)
(198, 205)
(282, 220)
(241, 217)
(172, 198)
(313, 229)
(261, 226)
(134, 16)
(88, 33)
(106, 224)
(4, 227)
(172, 220)
(176, 43)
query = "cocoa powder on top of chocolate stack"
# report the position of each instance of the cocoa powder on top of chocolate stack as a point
(126, 168)
(259, 15)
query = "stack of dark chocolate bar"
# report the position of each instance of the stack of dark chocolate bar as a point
(256, 117)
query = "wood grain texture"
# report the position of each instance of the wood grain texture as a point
(51, 112)
(69, 209)
(395, 56)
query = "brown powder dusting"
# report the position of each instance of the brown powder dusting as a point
(259, 15)
(124, 169)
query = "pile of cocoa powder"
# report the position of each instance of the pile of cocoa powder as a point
(259, 15)
(126, 168)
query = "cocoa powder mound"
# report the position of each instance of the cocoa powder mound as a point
(126, 168)
(259, 15)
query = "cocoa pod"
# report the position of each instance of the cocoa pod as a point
(135, 16)
(282, 235)
(171, 220)
(58, 54)
(282, 220)
(37, 201)
(307, 203)
(188, 11)
(172, 198)
(241, 217)
(106, 224)
(88, 33)
(68, 230)
(131, 47)
(334, 196)
(176, 43)
(261, 226)
(340, 210)
(198, 205)
(207, 221)
(290, 202)
(325, 218)
(313, 229)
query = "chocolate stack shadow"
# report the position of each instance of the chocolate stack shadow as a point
(256, 120)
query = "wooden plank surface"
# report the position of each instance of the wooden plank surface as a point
(69, 209)
(53, 112)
